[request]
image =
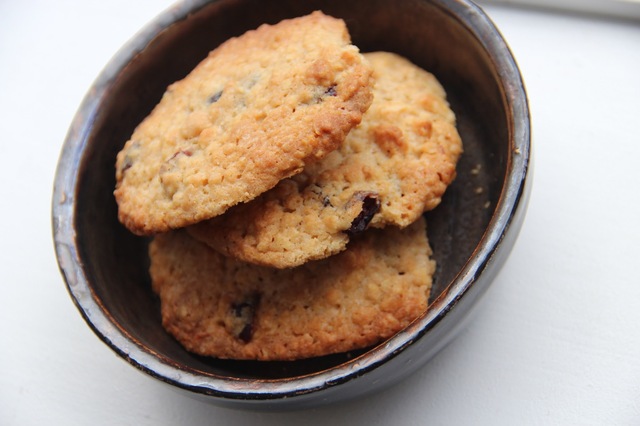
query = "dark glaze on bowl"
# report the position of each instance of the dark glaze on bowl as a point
(472, 231)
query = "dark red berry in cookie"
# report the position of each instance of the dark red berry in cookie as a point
(370, 206)
(128, 162)
(244, 317)
(185, 152)
(331, 91)
(215, 97)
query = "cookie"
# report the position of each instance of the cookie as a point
(221, 307)
(393, 167)
(258, 109)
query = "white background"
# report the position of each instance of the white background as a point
(556, 341)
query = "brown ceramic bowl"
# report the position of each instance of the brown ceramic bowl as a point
(472, 231)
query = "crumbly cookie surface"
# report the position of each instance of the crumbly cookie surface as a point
(258, 109)
(394, 166)
(218, 306)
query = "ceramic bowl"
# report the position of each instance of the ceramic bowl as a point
(472, 231)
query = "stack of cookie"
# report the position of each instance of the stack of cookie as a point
(284, 181)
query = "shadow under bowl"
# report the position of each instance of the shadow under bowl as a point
(106, 268)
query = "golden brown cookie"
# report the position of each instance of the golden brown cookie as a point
(258, 109)
(394, 166)
(218, 306)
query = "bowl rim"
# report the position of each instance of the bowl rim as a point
(511, 199)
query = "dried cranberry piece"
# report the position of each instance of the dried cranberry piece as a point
(128, 163)
(370, 206)
(244, 315)
(331, 91)
(185, 152)
(130, 157)
(215, 97)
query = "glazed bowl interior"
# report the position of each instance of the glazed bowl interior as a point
(105, 266)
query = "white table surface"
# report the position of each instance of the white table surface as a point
(556, 341)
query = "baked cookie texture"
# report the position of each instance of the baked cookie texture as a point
(392, 168)
(221, 307)
(258, 109)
